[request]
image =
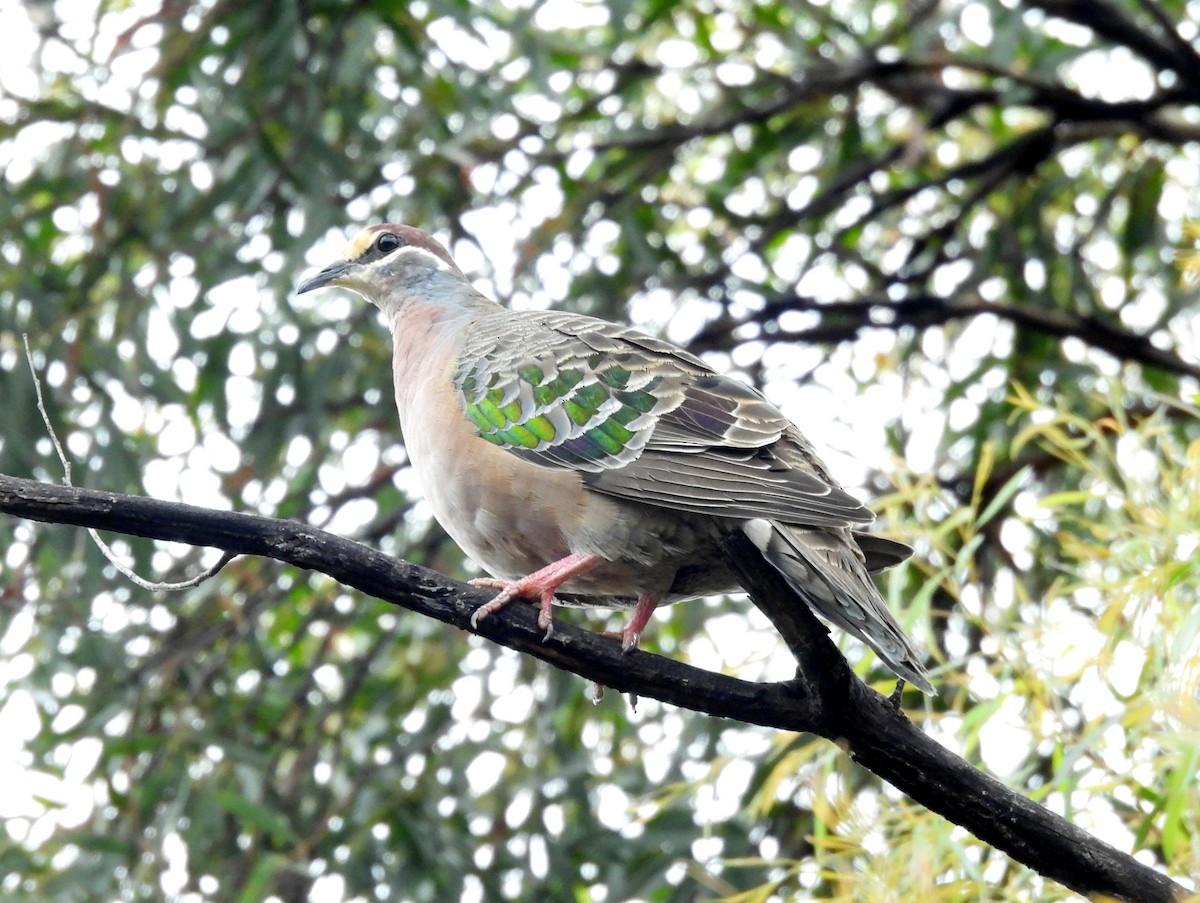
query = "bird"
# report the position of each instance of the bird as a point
(586, 463)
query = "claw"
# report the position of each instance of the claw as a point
(508, 592)
(632, 632)
(538, 587)
(630, 639)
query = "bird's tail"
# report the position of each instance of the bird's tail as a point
(827, 571)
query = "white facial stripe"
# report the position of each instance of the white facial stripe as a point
(363, 243)
(418, 256)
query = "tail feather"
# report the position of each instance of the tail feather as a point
(827, 570)
(880, 553)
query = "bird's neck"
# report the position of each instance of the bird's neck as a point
(426, 336)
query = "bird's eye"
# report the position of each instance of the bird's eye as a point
(387, 243)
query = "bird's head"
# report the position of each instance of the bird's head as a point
(384, 263)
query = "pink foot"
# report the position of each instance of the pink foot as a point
(538, 587)
(632, 633)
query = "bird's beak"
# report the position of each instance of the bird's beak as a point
(327, 276)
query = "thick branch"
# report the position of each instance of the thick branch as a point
(417, 589)
(828, 700)
(877, 736)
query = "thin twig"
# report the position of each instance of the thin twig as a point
(105, 549)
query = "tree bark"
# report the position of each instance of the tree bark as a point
(826, 698)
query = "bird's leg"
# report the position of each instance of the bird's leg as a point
(632, 631)
(538, 586)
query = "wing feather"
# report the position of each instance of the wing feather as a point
(641, 419)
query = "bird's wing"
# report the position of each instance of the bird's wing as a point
(641, 419)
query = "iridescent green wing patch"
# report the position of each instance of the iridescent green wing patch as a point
(585, 413)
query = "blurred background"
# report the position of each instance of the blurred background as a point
(951, 239)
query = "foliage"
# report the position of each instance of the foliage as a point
(949, 218)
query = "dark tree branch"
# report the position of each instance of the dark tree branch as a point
(919, 83)
(844, 320)
(813, 84)
(1117, 26)
(876, 735)
(1170, 29)
(826, 699)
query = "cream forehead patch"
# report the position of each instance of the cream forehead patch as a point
(361, 243)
